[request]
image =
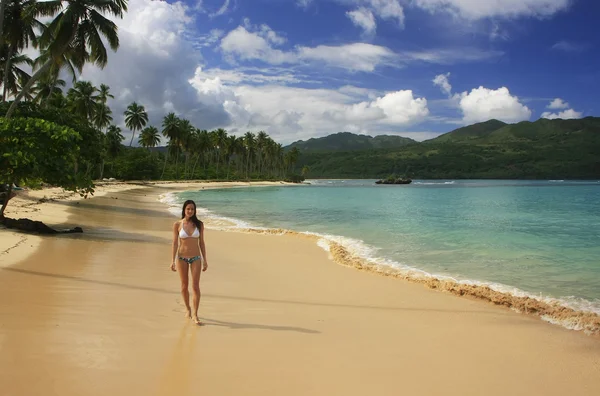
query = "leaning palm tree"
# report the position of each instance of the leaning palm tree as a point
(78, 27)
(136, 118)
(12, 72)
(149, 137)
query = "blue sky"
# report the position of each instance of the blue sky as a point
(300, 69)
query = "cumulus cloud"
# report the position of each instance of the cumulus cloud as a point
(479, 9)
(364, 19)
(483, 104)
(291, 113)
(559, 104)
(565, 115)
(153, 65)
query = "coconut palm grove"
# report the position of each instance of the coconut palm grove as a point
(52, 135)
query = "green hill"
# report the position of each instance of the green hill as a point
(346, 141)
(471, 132)
(544, 149)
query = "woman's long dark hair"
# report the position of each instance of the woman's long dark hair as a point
(193, 218)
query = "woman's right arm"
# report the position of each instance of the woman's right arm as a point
(175, 243)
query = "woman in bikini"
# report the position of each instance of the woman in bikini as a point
(189, 255)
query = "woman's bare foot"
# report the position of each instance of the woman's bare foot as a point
(197, 321)
(188, 314)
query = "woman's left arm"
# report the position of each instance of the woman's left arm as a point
(203, 248)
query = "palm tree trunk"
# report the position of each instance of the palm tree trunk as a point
(165, 165)
(28, 86)
(2, 8)
(6, 69)
(195, 163)
(132, 135)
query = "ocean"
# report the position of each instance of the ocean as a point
(536, 239)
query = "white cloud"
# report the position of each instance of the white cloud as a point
(260, 44)
(558, 103)
(565, 115)
(449, 56)
(483, 104)
(303, 3)
(291, 113)
(388, 9)
(248, 46)
(354, 57)
(479, 9)
(441, 81)
(567, 46)
(153, 64)
(221, 10)
(249, 42)
(364, 19)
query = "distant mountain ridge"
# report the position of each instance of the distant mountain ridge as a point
(347, 141)
(543, 149)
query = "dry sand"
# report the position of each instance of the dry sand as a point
(100, 313)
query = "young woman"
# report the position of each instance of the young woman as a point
(189, 255)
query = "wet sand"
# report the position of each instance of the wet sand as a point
(100, 312)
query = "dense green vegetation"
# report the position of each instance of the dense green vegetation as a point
(545, 149)
(346, 141)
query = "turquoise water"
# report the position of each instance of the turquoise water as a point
(540, 237)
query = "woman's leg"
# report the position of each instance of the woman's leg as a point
(182, 268)
(196, 271)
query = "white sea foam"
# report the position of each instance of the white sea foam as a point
(435, 183)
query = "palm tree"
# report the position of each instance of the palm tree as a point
(102, 116)
(149, 137)
(46, 86)
(261, 144)
(78, 28)
(104, 94)
(12, 71)
(83, 99)
(19, 28)
(114, 137)
(249, 144)
(170, 130)
(135, 118)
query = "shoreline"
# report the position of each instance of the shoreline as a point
(551, 310)
(16, 245)
(102, 308)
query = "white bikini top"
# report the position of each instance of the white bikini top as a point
(183, 234)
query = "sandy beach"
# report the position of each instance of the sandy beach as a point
(100, 312)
